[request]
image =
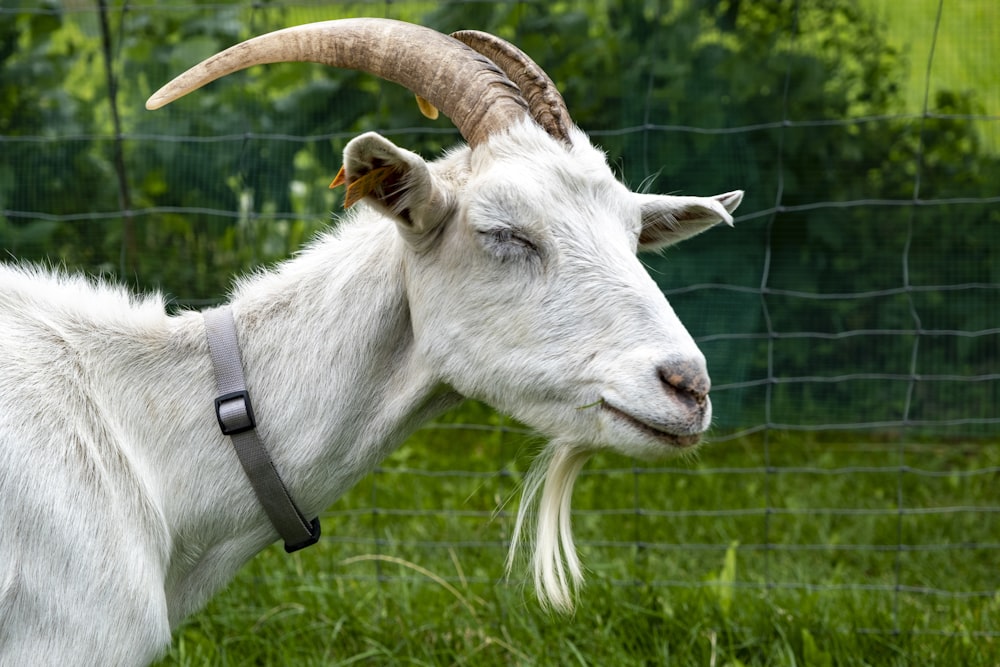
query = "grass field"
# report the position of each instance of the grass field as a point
(833, 550)
(964, 55)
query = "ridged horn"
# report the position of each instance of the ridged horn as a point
(545, 103)
(465, 85)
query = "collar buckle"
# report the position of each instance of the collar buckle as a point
(235, 412)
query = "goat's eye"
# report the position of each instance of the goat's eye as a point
(507, 243)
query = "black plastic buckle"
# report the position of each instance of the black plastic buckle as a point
(313, 538)
(247, 413)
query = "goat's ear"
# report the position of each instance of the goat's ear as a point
(393, 179)
(668, 219)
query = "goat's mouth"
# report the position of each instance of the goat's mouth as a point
(655, 431)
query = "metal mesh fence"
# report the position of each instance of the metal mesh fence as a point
(850, 319)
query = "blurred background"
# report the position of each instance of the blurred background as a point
(846, 508)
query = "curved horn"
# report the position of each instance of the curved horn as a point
(545, 103)
(465, 85)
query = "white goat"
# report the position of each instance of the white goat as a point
(506, 272)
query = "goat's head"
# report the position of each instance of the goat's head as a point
(521, 271)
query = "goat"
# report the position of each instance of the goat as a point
(505, 271)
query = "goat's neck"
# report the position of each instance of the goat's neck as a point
(335, 382)
(330, 362)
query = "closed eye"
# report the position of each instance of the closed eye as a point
(507, 243)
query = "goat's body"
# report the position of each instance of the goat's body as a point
(123, 507)
(505, 272)
(82, 536)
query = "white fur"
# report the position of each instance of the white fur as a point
(512, 279)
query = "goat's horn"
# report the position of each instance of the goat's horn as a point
(545, 103)
(464, 84)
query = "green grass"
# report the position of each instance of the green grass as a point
(964, 58)
(779, 549)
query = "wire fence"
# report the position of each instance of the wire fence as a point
(851, 320)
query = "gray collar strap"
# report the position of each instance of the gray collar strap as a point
(236, 418)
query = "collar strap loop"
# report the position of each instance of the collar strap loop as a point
(234, 411)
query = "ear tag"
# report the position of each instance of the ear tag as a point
(426, 108)
(360, 188)
(338, 179)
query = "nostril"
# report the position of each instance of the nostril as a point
(689, 384)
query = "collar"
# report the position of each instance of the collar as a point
(236, 419)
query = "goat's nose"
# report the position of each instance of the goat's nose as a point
(687, 380)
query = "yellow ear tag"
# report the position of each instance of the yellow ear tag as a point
(339, 179)
(360, 188)
(426, 108)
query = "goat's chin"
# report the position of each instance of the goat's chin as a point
(653, 451)
(557, 570)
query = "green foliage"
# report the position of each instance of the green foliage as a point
(50, 158)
